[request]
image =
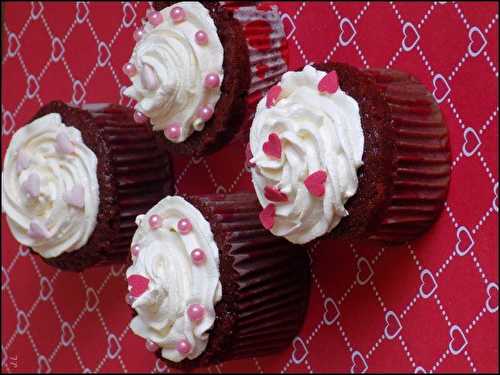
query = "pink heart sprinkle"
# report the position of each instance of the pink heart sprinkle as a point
(148, 78)
(274, 195)
(32, 185)
(76, 196)
(272, 96)
(38, 231)
(272, 147)
(329, 83)
(315, 183)
(23, 161)
(64, 144)
(137, 285)
(266, 216)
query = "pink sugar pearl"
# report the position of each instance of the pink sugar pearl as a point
(198, 256)
(178, 14)
(183, 347)
(201, 37)
(173, 131)
(129, 299)
(184, 226)
(151, 346)
(135, 250)
(205, 113)
(196, 312)
(129, 69)
(155, 18)
(138, 34)
(140, 117)
(155, 221)
(212, 80)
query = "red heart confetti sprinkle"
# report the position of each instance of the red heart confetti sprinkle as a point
(266, 216)
(315, 183)
(272, 95)
(272, 147)
(329, 83)
(138, 285)
(274, 195)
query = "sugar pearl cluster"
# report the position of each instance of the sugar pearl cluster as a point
(211, 81)
(195, 312)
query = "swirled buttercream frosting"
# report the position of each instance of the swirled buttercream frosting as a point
(50, 191)
(306, 145)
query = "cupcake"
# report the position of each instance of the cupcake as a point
(74, 180)
(356, 154)
(208, 283)
(197, 70)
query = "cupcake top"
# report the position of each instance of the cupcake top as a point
(176, 69)
(307, 144)
(50, 191)
(174, 279)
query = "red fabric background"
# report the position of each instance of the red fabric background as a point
(431, 305)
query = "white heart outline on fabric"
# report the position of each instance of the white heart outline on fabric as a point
(414, 29)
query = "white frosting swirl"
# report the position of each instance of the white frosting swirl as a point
(169, 86)
(33, 152)
(318, 131)
(174, 281)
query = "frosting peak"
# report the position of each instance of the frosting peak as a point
(307, 143)
(176, 69)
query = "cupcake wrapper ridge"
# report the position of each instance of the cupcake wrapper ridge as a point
(421, 160)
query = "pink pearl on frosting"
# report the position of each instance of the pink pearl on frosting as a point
(196, 312)
(212, 80)
(177, 14)
(184, 226)
(135, 250)
(155, 18)
(173, 131)
(205, 113)
(138, 34)
(129, 299)
(183, 347)
(201, 37)
(129, 69)
(198, 256)
(155, 221)
(140, 117)
(151, 346)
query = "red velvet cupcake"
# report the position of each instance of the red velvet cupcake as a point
(208, 283)
(74, 180)
(357, 154)
(199, 68)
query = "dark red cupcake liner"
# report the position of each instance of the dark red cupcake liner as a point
(133, 171)
(267, 51)
(421, 157)
(265, 283)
